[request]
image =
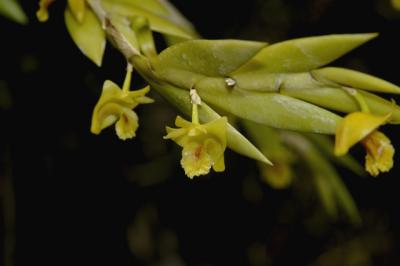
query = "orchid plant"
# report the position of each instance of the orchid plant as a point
(283, 94)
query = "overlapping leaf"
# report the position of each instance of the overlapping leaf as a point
(158, 22)
(333, 193)
(87, 35)
(304, 54)
(337, 99)
(12, 10)
(272, 109)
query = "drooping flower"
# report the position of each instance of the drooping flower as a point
(362, 127)
(115, 105)
(203, 145)
(77, 7)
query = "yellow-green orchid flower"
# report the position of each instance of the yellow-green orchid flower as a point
(115, 105)
(77, 7)
(203, 145)
(362, 127)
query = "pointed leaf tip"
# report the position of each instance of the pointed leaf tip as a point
(305, 54)
(355, 79)
(87, 35)
(12, 10)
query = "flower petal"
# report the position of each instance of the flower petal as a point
(354, 128)
(195, 160)
(217, 128)
(176, 134)
(180, 122)
(380, 153)
(127, 124)
(216, 151)
(104, 116)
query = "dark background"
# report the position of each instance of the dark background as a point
(76, 194)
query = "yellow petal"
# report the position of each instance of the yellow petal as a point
(380, 153)
(218, 128)
(78, 9)
(127, 124)
(43, 13)
(354, 127)
(138, 93)
(175, 134)
(104, 116)
(216, 151)
(195, 160)
(180, 122)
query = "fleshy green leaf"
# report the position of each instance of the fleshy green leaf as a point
(337, 99)
(304, 54)
(87, 35)
(236, 141)
(326, 146)
(12, 10)
(175, 16)
(326, 194)
(157, 22)
(344, 199)
(333, 193)
(258, 81)
(186, 63)
(145, 37)
(162, 8)
(267, 139)
(209, 57)
(153, 6)
(355, 79)
(123, 25)
(271, 109)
